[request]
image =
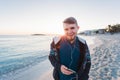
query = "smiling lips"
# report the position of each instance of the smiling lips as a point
(71, 34)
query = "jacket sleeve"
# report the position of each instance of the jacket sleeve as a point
(53, 57)
(87, 64)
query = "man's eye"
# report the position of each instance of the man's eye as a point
(66, 29)
(72, 28)
(69, 28)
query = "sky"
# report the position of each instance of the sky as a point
(46, 16)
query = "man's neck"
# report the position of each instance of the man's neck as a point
(72, 40)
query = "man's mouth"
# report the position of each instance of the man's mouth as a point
(71, 34)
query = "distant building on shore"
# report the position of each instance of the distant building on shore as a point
(93, 32)
(87, 32)
(101, 31)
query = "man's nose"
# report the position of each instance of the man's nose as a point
(69, 31)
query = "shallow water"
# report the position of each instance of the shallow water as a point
(17, 52)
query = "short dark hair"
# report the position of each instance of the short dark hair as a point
(70, 20)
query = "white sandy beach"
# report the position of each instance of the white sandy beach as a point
(105, 56)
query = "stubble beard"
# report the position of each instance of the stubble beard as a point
(71, 38)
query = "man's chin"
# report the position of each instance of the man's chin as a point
(70, 38)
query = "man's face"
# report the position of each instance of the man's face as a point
(70, 30)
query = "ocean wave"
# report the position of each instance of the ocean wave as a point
(12, 65)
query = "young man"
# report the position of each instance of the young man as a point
(69, 54)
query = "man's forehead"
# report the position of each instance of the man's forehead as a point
(69, 25)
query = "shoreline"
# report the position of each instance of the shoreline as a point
(36, 72)
(105, 55)
(32, 73)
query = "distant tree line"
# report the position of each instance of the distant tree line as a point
(109, 29)
(113, 29)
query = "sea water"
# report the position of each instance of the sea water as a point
(20, 51)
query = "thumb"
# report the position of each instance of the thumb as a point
(65, 67)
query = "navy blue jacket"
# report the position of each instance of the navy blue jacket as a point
(84, 61)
